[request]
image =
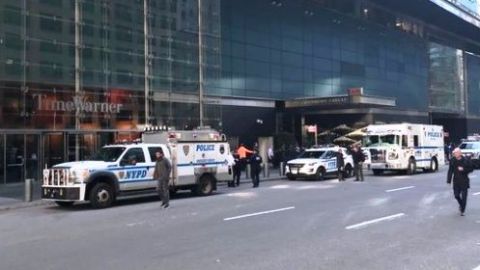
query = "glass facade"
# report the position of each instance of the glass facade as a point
(473, 84)
(446, 78)
(306, 51)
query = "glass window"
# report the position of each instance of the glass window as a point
(152, 151)
(133, 156)
(50, 23)
(12, 15)
(13, 41)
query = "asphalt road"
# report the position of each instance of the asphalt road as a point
(387, 222)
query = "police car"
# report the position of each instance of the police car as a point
(470, 148)
(199, 160)
(316, 163)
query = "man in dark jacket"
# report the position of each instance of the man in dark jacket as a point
(340, 165)
(459, 169)
(255, 167)
(237, 170)
(162, 175)
(358, 159)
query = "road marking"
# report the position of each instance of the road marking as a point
(280, 187)
(366, 223)
(397, 189)
(477, 268)
(477, 193)
(260, 213)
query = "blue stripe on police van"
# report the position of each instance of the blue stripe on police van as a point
(429, 147)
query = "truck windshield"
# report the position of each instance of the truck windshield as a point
(311, 154)
(109, 154)
(382, 140)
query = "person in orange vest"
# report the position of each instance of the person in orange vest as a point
(242, 153)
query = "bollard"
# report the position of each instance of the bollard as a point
(28, 189)
(247, 171)
(281, 169)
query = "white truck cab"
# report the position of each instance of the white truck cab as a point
(405, 147)
(317, 163)
(199, 160)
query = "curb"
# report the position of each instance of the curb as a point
(22, 205)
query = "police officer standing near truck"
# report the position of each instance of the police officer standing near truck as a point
(255, 167)
(459, 168)
(340, 165)
(162, 175)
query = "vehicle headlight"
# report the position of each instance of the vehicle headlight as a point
(79, 175)
(392, 155)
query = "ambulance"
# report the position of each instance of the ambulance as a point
(404, 147)
(200, 159)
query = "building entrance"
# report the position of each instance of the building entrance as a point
(23, 154)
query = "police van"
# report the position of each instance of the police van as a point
(404, 147)
(199, 158)
(317, 163)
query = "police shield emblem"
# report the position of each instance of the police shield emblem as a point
(121, 174)
(186, 149)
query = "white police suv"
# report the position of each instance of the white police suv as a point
(317, 163)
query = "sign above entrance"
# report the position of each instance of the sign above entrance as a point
(346, 100)
(80, 103)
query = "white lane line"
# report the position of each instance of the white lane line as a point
(260, 213)
(397, 189)
(366, 223)
(476, 193)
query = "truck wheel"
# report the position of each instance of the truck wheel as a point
(412, 167)
(348, 171)
(64, 204)
(101, 195)
(204, 186)
(320, 175)
(377, 172)
(433, 165)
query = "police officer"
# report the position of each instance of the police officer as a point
(162, 175)
(459, 168)
(237, 170)
(340, 165)
(255, 167)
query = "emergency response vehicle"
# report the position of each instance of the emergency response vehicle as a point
(405, 147)
(317, 163)
(471, 147)
(199, 158)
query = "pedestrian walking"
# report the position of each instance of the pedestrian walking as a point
(237, 170)
(162, 175)
(255, 168)
(340, 165)
(458, 171)
(358, 159)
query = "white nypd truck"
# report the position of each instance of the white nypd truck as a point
(316, 163)
(405, 147)
(199, 158)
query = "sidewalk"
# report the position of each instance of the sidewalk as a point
(12, 195)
